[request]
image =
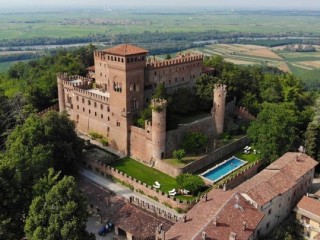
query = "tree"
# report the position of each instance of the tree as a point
(312, 140)
(179, 154)
(57, 213)
(33, 147)
(160, 92)
(204, 90)
(52, 138)
(183, 101)
(275, 130)
(194, 142)
(190, 182)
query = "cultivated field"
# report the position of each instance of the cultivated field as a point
(305, 65)
(83, 23)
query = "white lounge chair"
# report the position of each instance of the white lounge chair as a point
(185, 191)
(156, 185)
(246, 147)
(172, 191)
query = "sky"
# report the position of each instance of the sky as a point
(216, 4)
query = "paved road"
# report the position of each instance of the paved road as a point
(122, 191)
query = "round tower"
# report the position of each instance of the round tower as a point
(219, 103)
(158, 128)
(61, 97)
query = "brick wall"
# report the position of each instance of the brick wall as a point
(151, 208)
(203, 162)
(174, 137)
(248, 172)
(141, 145)
(147, 190)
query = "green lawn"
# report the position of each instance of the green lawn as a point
(145, 174)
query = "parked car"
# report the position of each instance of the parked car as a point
(105, 229)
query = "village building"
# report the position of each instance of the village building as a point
(308, 216)
(252, 209)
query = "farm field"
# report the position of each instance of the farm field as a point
(72, 23)
(305, 65)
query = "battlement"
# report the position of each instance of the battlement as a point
(103, 96)
(100, 55)
(182, 58)
(156, 103)
(220, 88)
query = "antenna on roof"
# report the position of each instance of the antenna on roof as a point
(302, 149)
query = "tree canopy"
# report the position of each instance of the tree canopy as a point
(275, 130)
(33, 147)
(58, 211)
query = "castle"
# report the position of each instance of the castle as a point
(120, 86)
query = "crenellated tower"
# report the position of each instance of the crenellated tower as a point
(219, 103)
(158, 128)
(61, 96)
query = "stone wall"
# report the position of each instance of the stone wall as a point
(247, 172)
(204, 161)
(140, 187)
(141, 145)
(54, 107)
(151, 208)
(174, 137)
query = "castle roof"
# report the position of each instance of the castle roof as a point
(229, 209)
(125, 50)
(277, 178)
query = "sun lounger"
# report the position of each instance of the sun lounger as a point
(185, 191)
(156, 185)
(172, 191)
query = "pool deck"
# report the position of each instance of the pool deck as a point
(220, 164)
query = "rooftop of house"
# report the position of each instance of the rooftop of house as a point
(230, 211)
(237, 216)
(310, 205)
(277, 178)
(125, 50)
(138, 222)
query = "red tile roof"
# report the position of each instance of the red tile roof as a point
(125, 50)
(92, 68)
(231, 210)
(310, 205)
(231, 218)
(199, 216)
(138, 222)
(277, 178)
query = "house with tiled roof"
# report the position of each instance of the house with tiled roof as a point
(219, 215)
(252, 209)
(277, 189)
(308, 217)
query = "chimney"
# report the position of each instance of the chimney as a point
(205, 197)
(244, 226)
(215, 221)
(184, 218)
(232, 236)
(203, 236)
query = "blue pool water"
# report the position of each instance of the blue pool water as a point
(223, 169)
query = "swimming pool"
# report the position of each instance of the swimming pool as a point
(219, 171)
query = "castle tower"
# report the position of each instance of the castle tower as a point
(158, 128)
(219, 103)
(61, 97)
